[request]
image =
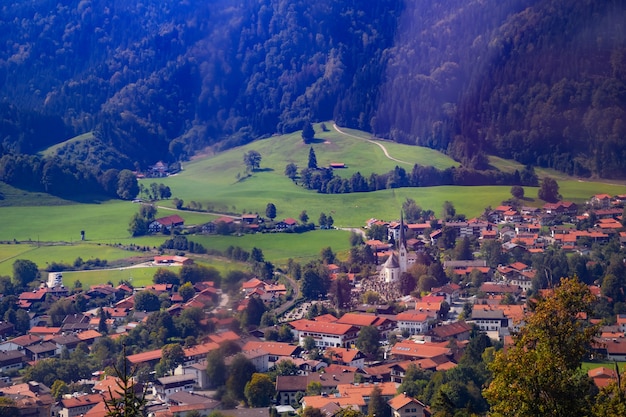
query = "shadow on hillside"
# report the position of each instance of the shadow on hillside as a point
(315, 140)
(264, 170)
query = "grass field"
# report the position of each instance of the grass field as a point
(141, 276)
(43, 255)
(219, 183)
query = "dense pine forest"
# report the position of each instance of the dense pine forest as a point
(542, 82)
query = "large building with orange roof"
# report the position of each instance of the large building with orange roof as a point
(324, 334)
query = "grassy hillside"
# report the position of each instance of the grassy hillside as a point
(219, 183)
(52, 150)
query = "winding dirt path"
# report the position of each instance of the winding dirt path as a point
(380, 145)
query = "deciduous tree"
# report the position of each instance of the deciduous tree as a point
(252, 160)
(549, 190)
(259, 391)
(540, 374)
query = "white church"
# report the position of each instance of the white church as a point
(399, 262)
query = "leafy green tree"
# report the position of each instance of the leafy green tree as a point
(216, 368)
(239, 373)
(146, 301)
(308, 133)
(172, 355)
(327, 255)
(259, 391)
(127, 186)
(270, 211)
(549, 190)
(463, 250)
(517, 191)
(412, 212)
(252, 160)
(541, 374)
(24, 272)
(378, 406)
(368, 341)
(58, 389)
(314, 283)
(303, 217)
(448, 212)
(322, 220)
(165, 276)
(291, 171)
(314, 388)
(356, 239)
(186, 291)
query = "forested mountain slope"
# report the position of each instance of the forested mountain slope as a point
(540, 81)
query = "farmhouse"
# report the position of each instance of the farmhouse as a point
(166, 223)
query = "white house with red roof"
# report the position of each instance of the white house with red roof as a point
(325, 334)
(166, 223)
(414, 322)
(404, 406)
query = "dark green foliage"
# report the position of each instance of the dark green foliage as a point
(548, 89)
(367, 341)
(147, 301)
(549, 190)
(270, 211)
(24, 272)
(312, 164)
(252, 160)
(307, 135)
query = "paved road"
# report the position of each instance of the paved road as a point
(380, 145)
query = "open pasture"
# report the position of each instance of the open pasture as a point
(45, 254)
(142, 275)
(279, 247)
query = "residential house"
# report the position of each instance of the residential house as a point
(11, 360)
(168, 385)
(411, 350)
(404, 406)
(79, 405)
(32, 399)
(324, 334)
(276, 350)
(382, 324)
(414, 322)
(602, 201)
(40, 351)
(20, 342)
(288, 386)
(345, 356)
(458, 330)
(166, 223)
(354, 396)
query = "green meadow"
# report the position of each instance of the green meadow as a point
(220, 183)
(44, 254)
(141, 276)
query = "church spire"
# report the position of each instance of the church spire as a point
(401, 239)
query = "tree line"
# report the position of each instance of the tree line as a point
(324, 180)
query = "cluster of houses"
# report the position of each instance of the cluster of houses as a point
(246, 223)
(427, 339)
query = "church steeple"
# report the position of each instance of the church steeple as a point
(401, 239)
(402, 250)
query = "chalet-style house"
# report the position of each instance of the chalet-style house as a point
(166, 223)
